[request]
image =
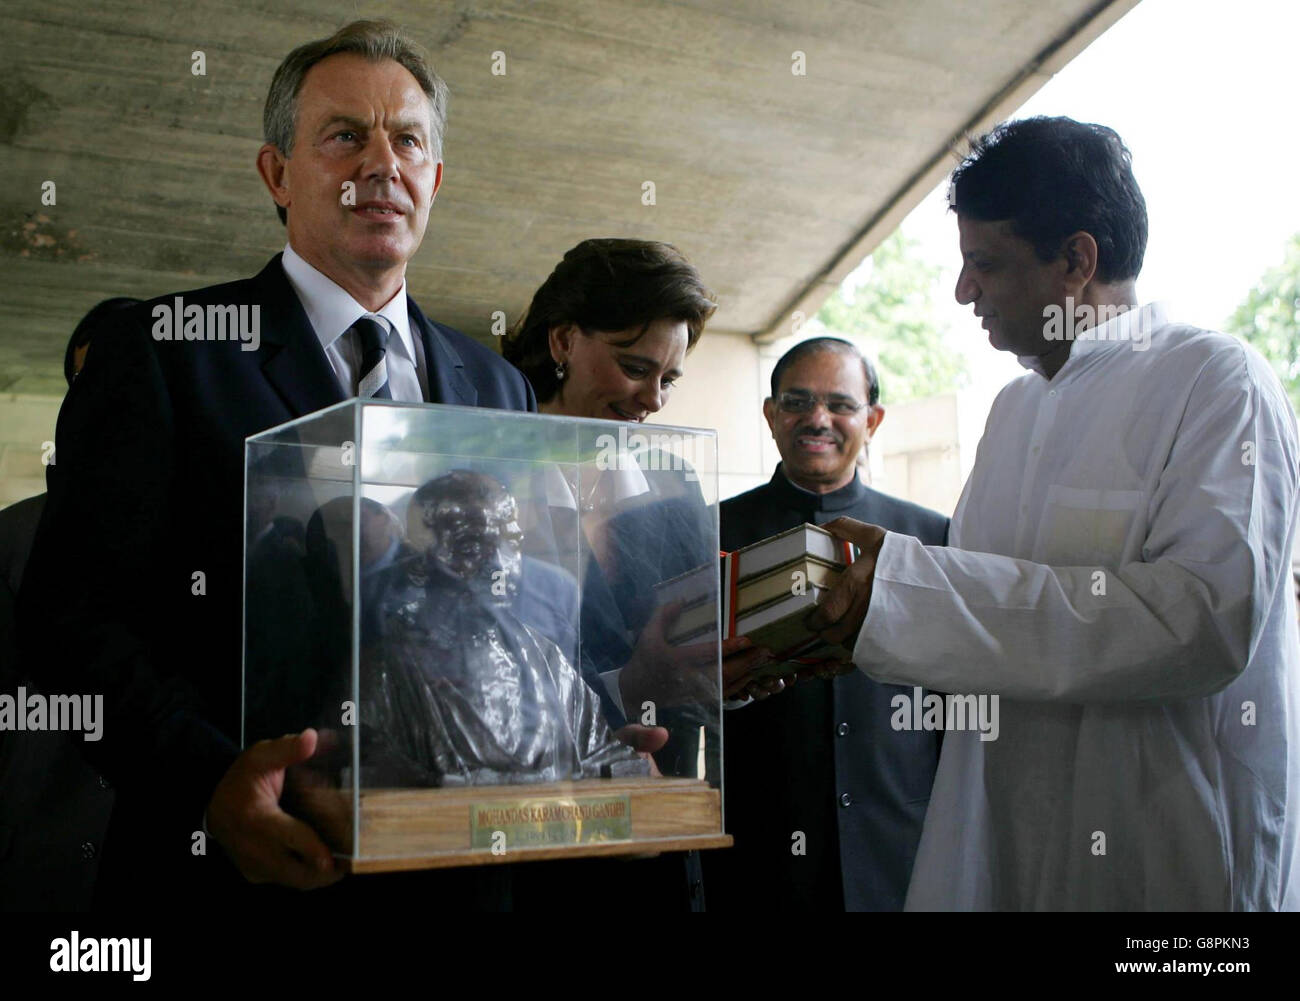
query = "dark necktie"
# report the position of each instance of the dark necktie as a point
(373, 336)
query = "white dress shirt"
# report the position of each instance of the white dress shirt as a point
(1120, 574)
(332, 312)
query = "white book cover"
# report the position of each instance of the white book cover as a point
(802, 540)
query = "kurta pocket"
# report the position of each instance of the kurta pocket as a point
(1082, 527)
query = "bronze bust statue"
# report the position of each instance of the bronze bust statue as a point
(456, 690)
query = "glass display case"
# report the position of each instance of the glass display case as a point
(503, 626)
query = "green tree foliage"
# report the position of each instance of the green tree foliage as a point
(1269, 319)
(892, 317)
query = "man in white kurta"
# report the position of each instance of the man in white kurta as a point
(1118, 573)
(1137, 623)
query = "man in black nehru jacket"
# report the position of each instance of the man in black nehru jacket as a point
(821, 759)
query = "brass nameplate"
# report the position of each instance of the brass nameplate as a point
(550, 821)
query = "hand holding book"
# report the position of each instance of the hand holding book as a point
(741, 660)
(838, 617)
(772, 595)
(770, 587)
(669, 672)
(775, 592)
(666, 673)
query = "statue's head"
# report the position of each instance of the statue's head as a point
(468, 526)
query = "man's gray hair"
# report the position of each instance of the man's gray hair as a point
(376, 41)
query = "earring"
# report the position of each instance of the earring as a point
(561, 370)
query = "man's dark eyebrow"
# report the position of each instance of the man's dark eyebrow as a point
(676, 373)
(348, 120)
(358, 125)
(799, 390)
(409, 125)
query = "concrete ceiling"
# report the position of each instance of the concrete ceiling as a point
(776, 185)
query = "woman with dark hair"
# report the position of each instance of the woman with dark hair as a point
(606, 336)
(608, 332)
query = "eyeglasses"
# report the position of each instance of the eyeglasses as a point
(805, 403)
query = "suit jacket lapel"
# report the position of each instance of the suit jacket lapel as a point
(296, 364)
(446, 371)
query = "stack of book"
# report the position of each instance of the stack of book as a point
(771, 587)
(697, 590)
(768, 590)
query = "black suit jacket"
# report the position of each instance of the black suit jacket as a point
(821, 757)
(146, 492)
(54, 808)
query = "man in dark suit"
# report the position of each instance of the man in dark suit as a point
(134, 585)
(54, 807)
(825, 800)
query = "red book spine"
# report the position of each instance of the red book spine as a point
(730, 602)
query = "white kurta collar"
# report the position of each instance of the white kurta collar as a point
(1130, 329)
